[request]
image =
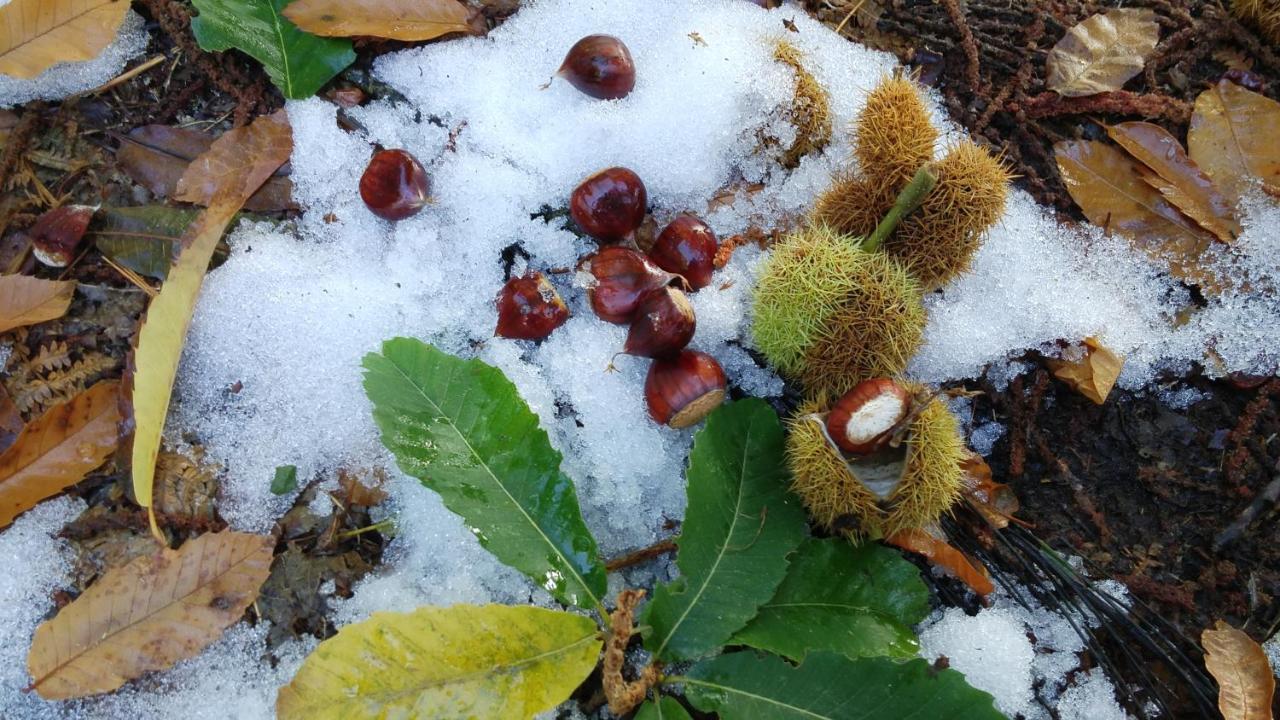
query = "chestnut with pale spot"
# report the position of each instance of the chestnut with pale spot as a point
(529, 308)
(863, 420)
(682, 390)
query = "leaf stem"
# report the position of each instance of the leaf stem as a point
(908, 200)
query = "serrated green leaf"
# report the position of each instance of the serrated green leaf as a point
(461, 428)
(857, 601)
(299, 63)
(666, 708)
(145, 238)
(740, 526)
(464, 661)
(827, 686)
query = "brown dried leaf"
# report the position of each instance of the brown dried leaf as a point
(1093, 375)
(175, 603)
(942, 554)
(1245, 680)
(37, 34)
(362, 488)
(57, 449)
(1235, 137)
(1108, 186)
(408, 20)
(156, 156)
(1102, 52)
(25, 300)
(1177, 177)
(994, 501)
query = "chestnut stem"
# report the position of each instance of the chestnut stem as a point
(908, 200)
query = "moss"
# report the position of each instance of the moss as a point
(837, 500)
(1262, 14)
(810, 111)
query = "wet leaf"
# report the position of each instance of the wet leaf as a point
(943, 555)
(1102, 52)
(740, 526)
(291, 597)
(145, 239)
(396, 19)
(665, 708)
(156, 156)
(243, 159)
(1092, 375)
(1177, 177)
(1245, 679)
(57, 449)
(178, 602)
(461, 427)
(857, 601)
(827, 685)
(1235, 138)
(37, 34)
(995, 501)
(1107, 184)
(298, 63)
(25, 300)
(463, 661)
(285, 480)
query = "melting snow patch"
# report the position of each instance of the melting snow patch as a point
(66, 79)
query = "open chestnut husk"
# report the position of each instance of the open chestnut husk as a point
(864, 419)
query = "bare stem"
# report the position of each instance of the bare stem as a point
(908, 200)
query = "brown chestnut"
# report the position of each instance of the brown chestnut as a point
(610, 204)
(864, 419)
(664, 323)
(529, 308)
(600, 66)
(56, 235)
(620, 277)
(395, 185)
(687, 247)
(682, 390)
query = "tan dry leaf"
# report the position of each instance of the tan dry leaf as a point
(1245, 679)
(148, 615)
(37, 34)
(57, 449)
(407, 20)
(1093, 375)
(1107, 185)
(25, 300)
(1102, 52)
(1235, 138)
(1177, 177)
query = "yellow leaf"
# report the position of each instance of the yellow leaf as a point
(37, 34)
(1102, 52)
(1245, 680)
(241, 160)
(148, 614)
(58, 449)
(1092, 376)
(465, 661)
(25, 300)
(1235, 137)
(396, 19)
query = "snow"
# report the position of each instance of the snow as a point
(66, 79)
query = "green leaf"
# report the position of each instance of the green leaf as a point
(740, 526)
(286, 480)
(856, 601)
(465, 661)
(145, 239)
(666, 708)
(827, 685)
(461, 428)
(298, 62)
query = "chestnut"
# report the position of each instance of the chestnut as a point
(687, 247)
(664, 323)
(620, 277)
(600, 66)
(864, 419)
(394, 186)
(529, 308)
(682, 390)
(609, 205)
(56, 235)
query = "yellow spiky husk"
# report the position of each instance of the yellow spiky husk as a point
(938, 240)
(831, 492)
(810, 111)
(830, 315)
(893, 136)
(853, 205)
(1262, 14)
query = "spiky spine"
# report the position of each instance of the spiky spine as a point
(1263, 14)
(930, 483)
(937, 241)
(893, 136)
(852, 205)
(810, 111)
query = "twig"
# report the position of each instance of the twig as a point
(127, 75)
(1269, 496)
(636, 557)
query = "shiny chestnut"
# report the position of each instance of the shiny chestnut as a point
(394, 186)
(682, 390)
(610, 204)
(600, 66)
(529, 308)
(664, 323)
(687, 247)
(619, 278)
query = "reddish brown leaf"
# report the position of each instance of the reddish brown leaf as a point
(408, 20)
(148, 615)
(1235, 137)
(155, 156)
(57, 449)
(1108, 187)
(1177, 177)
(1245, 678)
(942, 554)
(25, 300)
